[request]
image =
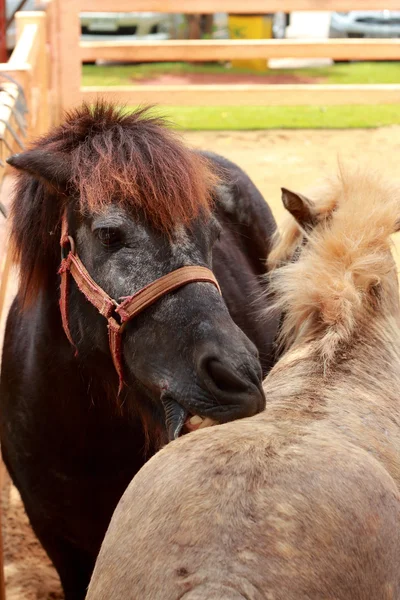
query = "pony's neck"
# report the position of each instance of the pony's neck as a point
(301, 374)
(378, 348)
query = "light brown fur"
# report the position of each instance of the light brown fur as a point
(302, 501)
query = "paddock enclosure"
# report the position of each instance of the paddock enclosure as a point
(45, 72)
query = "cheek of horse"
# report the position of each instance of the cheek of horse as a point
(158, 348)
(88, 327)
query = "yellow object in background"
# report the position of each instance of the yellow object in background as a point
(246, 27)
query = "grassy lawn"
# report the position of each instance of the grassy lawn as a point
(217, 118)
(247, 117)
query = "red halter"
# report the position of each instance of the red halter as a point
(118, 314)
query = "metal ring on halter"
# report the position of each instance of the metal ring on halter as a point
(67, 247)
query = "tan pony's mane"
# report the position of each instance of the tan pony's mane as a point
(345, 269)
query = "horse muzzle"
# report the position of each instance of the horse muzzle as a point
(221, 394)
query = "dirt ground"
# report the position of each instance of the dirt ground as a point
(222, 78)
(272, 159)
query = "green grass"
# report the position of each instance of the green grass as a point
(291, 117)
(128, 74)
(367, 72)
(251, 118)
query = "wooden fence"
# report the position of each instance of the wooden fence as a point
(27, 94)
(72, 51)
(28, 66)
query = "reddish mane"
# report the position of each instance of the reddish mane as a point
(103, 156)
(135, 159)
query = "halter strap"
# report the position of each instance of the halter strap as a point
(117, 314)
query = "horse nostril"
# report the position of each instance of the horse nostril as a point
(222, 377)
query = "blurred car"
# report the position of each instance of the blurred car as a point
(127, 26)
(280, 23)
(103, 25)
(368, 24)
(136, 25)
(157, 26)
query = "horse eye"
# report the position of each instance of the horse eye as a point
(109, 236)
(217, 230)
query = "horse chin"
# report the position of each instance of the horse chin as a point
(179, 421)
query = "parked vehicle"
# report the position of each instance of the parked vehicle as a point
(280, 23)
(98, 26)
(364, 23)
(136, 25)
(103, 25)
(125, 26)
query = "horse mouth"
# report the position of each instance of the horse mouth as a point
(180, 421)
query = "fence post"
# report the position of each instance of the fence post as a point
(41, 71)
(52, 62)
(67, 31)
(40, 116)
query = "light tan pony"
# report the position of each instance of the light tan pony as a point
(302, 501)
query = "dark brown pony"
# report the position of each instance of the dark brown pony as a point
(138, 205)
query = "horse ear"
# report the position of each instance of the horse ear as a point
(52, 167)
(300, 207)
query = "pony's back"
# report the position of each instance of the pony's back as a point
(254, 510)
(302, 501)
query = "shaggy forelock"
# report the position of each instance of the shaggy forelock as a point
(135, 160)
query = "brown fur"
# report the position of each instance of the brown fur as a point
(102, 156)
(302, 501)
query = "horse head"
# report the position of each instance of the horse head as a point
(138, 206)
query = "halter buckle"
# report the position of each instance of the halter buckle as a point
(67, 246)
(116, 316)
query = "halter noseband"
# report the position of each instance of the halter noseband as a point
(117, 314)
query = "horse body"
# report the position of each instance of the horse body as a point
(239, 257)
(300, 502)
(70, 446)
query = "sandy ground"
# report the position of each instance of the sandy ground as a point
(272, 159)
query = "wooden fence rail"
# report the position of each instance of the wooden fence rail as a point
(247, 95)
(220, 50)
(29, 67)
(72, 51)
(233, 6)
